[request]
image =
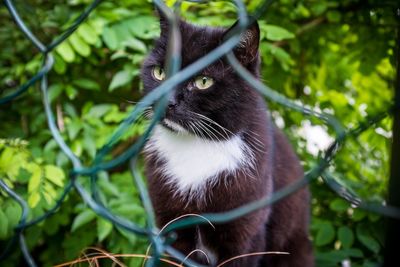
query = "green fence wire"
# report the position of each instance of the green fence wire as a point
(161, 242)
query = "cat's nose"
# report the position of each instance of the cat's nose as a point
(172, 102)
(171, 106)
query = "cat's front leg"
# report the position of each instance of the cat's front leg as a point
(242, 253)
(235, 243)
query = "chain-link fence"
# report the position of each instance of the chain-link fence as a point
(175, 75)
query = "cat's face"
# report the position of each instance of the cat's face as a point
(216, 102)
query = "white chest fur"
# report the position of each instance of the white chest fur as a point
(192, 162)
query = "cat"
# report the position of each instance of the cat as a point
(217, 149)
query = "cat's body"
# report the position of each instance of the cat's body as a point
(216, 150)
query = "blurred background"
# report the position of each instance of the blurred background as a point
(332, 56)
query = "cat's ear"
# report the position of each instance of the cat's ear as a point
(164, 24)
(247, 49)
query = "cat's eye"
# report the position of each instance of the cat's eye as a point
(203, 82)
(158, 73)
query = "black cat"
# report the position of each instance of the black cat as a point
(216, 149)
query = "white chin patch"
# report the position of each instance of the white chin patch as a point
(174, 126)
(192, 162)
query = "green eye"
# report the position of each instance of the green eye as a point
(203, 82)
(158, 73)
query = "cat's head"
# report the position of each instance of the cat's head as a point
(215, 103)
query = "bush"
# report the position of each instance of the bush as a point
(335, 57)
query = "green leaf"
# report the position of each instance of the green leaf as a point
(144, 27)
(87, 84)
(83, 218)
(65, 51)
(33, 199)
(363, 234)
(59, 64)
(35, 179)
(358, 215)
(135, 44)
(73, 128)
(110, 38)
(13, 213)
(339, 205)
(98, 111)
(11, 161)
(129, 209)
(71, 92)
(104, 228)
(128, 235)
(54, 174)
(55, 90)
(325, 234)
(333, 16)
(79, 45)
(346, 236)
(276, 33)
(89, 145)
(3, 225)
(121, 78)
(88, 33)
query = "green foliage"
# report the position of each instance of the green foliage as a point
(335, 56)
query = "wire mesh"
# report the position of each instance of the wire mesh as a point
(175, 75)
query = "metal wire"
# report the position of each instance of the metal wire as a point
(175, 75)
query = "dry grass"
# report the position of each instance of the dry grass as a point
(93, 258)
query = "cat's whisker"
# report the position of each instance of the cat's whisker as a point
(195, 130)
(207, 130)
(212, 129)
(204, 130)
(209, 126)
(226, 131)
(131, 102)
(212, 121)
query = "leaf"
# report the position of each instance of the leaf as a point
(144, 27)
(71, 92)
(98, 111)
(54, 174)
(358, 215)
(3, 225)
(88, 33)
(366, 239)
(89, 145)
(66, 51)
(339, 205)
(121, 78)
(325, 234)
(79, 45)
(108, 187)
(346, 236)
(55, 90)
(35, 179)
(13, 213)
(129, 209)
(73, 128)
(104, 228)
(33, 199)
(59, 64)
(49, 199)
(276, 33)
(83, 218)
(110, 38)
(87, 84)
(11, 161)
(132, 238)
(135, 44)
(333, 16)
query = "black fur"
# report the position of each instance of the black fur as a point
(233, 104)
